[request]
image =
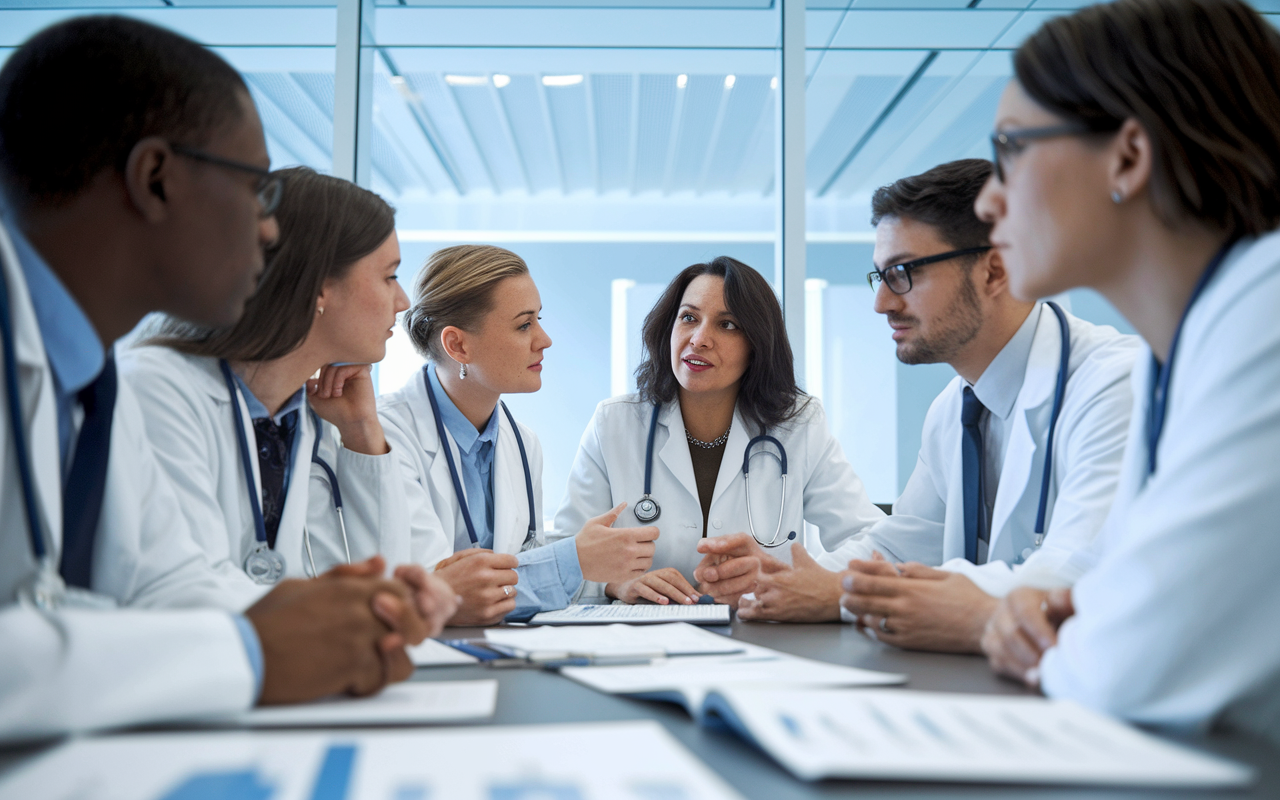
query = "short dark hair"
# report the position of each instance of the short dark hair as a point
(77, 97)
(943, 198)
(768, 395)
(1199, 76)
(326, 225)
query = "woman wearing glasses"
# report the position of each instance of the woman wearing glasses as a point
(282, 475)
(719, 440)
(1149, 173)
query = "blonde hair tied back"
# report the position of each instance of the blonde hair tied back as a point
(455, 288)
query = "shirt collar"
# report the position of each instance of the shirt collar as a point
(464, 433)
(259, 411)
(72, 345)
(1001, 382)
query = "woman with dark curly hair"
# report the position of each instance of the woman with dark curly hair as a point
(718, 440)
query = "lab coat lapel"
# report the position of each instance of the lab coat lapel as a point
(510, 503)
(39, 407)
(1028, 423)
(731, 463)
(294, 515)
(440, 485)
(674, 452)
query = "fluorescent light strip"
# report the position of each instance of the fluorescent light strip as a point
(561, 80)
(466, 80)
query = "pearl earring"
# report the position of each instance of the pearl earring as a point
(320, 310)
(1116, 197)
(462, 373)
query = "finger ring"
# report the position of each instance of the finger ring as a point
(506, 590)
(884, 625)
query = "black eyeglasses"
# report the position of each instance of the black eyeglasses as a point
(270, 187)
(1007, 144)
(898, 276)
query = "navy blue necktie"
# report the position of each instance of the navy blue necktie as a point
(275, 448)
(86, 484)
(971, 452)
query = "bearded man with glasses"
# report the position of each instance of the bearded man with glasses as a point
(973, 504)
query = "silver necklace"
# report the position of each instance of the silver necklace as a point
(711, 445)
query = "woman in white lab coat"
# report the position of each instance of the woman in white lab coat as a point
(475, 504)
(718, 375)
(1148, 172)
(253, 446)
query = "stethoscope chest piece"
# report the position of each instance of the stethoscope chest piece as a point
(264, 565)
(647, 510)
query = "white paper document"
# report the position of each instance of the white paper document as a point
(687, 680)
(410, 703)
(638, 614)
(433, 653)
(598, 761)
(927, 736)
(640, 641)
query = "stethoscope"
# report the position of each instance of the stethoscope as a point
(1059, 394)
(647, 509)
(532, 533)
(263, 564)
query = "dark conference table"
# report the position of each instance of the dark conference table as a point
(528, 696)
(532, 696)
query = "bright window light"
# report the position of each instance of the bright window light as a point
(397, 81)
(501, 80)
(561, 80)
(682, 81)
(773, 82)
(466, 80)
(729, 81)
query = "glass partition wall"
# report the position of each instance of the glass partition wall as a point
(613, 142)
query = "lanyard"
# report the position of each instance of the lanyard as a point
(1162, 374)
(16, 427)
(453, 468)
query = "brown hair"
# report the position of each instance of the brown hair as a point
(942, 198)
(455, 288)
(768, 395)
(1200, 77)
(326, 225)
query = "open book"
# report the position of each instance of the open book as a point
(877, 734)
(685, 680)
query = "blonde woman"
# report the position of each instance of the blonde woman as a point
(473, 473)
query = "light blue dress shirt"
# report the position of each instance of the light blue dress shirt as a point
(76, 357)
(547, 576)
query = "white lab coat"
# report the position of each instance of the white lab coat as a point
(74, 670)
(928, 520)
(1176, 624)
(436, 527)
(190, 422)
(821, 486)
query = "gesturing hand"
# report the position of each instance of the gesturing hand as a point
(805, 592)
(730, 565)
(485, 581)
(923, 608)
(1024, 625)
(607, 554)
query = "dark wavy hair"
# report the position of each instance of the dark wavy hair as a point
(326, 226)
(768, 394)
(1202, 77)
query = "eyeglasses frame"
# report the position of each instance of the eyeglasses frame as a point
(908, 267)
(1013, 142)
(270, 186)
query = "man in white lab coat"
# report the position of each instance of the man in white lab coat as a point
(972, 502)
(143, 187)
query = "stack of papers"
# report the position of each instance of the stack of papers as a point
(927, 736)
(698, 661)
(603, 761)
(412, 703)
(640, 614)
(638, 642)
(433, 653)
